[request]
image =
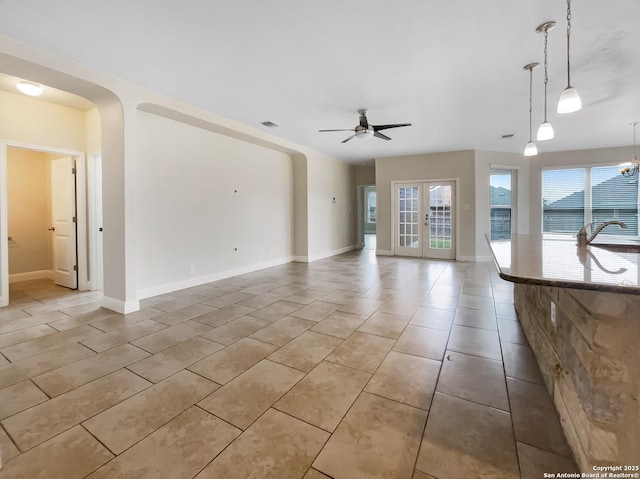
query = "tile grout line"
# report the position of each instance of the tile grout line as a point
(513, 427)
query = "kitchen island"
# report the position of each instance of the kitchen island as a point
(579, 307)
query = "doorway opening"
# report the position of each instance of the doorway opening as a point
(367, 217)
(50, 201)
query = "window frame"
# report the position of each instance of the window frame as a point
(512, 171)
(587, 212)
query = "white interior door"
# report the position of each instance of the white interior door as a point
(98, 215)
(439, 226)
(63, 225)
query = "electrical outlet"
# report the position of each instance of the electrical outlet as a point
(192, 269)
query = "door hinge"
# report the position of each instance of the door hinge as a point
(73, 170)
(75, 267)
(75, 220)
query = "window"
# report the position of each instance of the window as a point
(501, 204)
(573, 197)
(371, 211)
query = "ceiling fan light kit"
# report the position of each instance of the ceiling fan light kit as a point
(365, 130)
(364, 134)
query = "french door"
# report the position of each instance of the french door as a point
(425, 219)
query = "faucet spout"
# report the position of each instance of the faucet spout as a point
(583, 240)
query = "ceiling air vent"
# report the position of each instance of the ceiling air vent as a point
(508, 136)
(269, 124)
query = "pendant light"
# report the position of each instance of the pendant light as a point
(545, 131)
(569, 99)
(631, 168)
(530, 149)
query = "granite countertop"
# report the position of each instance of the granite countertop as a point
(558, 261)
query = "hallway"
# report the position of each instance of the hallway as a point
(356, 366)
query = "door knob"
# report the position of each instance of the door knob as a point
(53, 228)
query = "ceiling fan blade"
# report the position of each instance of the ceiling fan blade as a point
(349, 129)
(377, 134)
(344, 141)
(386, 127)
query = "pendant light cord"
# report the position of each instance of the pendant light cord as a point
(531, 102)
(568, 43)
(546, 76)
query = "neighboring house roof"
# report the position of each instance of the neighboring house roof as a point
(500, 196)
(608, 194)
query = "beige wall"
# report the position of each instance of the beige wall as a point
(332, 224)
(365, 175)
(92, 132)
(321, 227)
(300, 207)
(436, 166)
(34, 122)
(189, 213)
(29, 211)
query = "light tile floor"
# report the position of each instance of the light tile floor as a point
(350, 367)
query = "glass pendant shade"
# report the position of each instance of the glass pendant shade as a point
(531, 149)
(569, 101)
(545, 132)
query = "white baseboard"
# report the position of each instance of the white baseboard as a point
(30, 275)
(384, 252)
(474, 259)
(122, 307)
(151, 291)
(301, 259)
(328, 254)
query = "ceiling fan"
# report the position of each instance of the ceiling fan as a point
(365, 130)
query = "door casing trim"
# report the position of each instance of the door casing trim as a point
(81, 211)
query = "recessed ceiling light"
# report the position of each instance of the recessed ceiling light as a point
(30, 89)
(269, 124)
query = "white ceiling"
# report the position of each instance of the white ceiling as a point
(452, 68)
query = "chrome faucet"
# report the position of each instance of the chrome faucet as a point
(582, 234)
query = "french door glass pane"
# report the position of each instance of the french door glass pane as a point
(440, 217)
(409, 232)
